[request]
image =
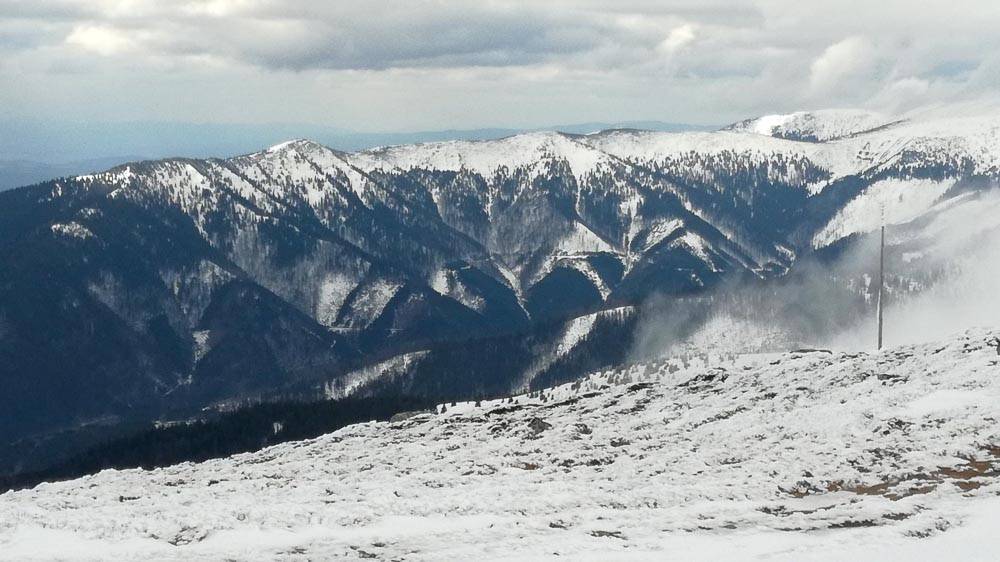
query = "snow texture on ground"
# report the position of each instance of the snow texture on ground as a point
(798, 456)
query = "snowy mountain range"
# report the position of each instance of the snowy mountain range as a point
(449, 269)
(808, 455)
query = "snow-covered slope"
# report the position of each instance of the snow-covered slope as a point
(548, 187)
(486, 158)
(815, 126)
(401, 249)
(800, 456)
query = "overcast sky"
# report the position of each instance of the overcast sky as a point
(436, 64)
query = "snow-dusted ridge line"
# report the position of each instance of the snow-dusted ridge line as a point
(840, 140)
(839, 143)
(816, 126)
(487, 157)
(843, 142)
(807, 455)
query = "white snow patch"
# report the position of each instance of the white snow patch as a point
(201, 344)
(486, 158)
(940, 401)
(767, 124)
(698, 246)
(333, 291)
(398, 366)
(575, 331)
(374, 296)
(581, 240)
(658, 231)
(822, 125)
(440, 281)
(891, 201)
(72, 230)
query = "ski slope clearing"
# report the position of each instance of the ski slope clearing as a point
(798, 456)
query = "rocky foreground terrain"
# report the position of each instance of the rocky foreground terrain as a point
(798, 456)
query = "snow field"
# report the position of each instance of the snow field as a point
(796, 456)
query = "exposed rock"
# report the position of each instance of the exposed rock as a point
(538, 425)
(403, 416)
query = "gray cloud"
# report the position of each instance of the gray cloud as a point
(502, 62)
(336, 35)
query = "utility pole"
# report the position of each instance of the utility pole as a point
(881, 284)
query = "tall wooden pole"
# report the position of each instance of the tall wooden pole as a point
(881, 284)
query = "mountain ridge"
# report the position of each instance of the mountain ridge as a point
(290, 268)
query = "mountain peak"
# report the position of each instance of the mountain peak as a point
(814, 126)
(296, 144)
(485, 157)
